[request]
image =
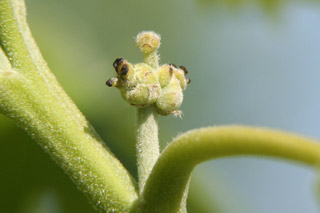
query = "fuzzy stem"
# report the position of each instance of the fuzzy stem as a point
(166, 185)
(152, 59)
(31, 96)
(147, 143)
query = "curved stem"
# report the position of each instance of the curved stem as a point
(31, 96)
(167, 182)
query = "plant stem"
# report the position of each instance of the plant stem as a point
(147, 143)
(147, 140)
(152, 59)
(166, 185)
(31, 96)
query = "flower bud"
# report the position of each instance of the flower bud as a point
(180, 75)
(145, 74)
(144, 88)
(146, 83)
(171, 98)
(112, 82)
(148, 41)
(165, 73)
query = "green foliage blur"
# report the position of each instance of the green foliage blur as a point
(250, 62)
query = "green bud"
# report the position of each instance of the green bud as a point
(148, 41)
(145, 88)
(181, 77)
(145, 74)
(165, 73)
(171, 98)
(137, 96)
(146, 83)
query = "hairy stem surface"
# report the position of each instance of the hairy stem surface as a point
(147, 143)
(31, 96)
(152, 59)
(165, 187)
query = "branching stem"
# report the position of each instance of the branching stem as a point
(31, 96)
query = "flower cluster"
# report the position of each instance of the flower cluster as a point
(142, 85)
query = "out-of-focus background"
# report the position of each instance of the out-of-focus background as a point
(250, 62)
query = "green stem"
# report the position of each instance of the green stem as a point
(147, 143)
(152, 59)
(31, 96)
(165, 187)
(4, 62)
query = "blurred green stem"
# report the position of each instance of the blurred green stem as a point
(166, 185)
(31, 96)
